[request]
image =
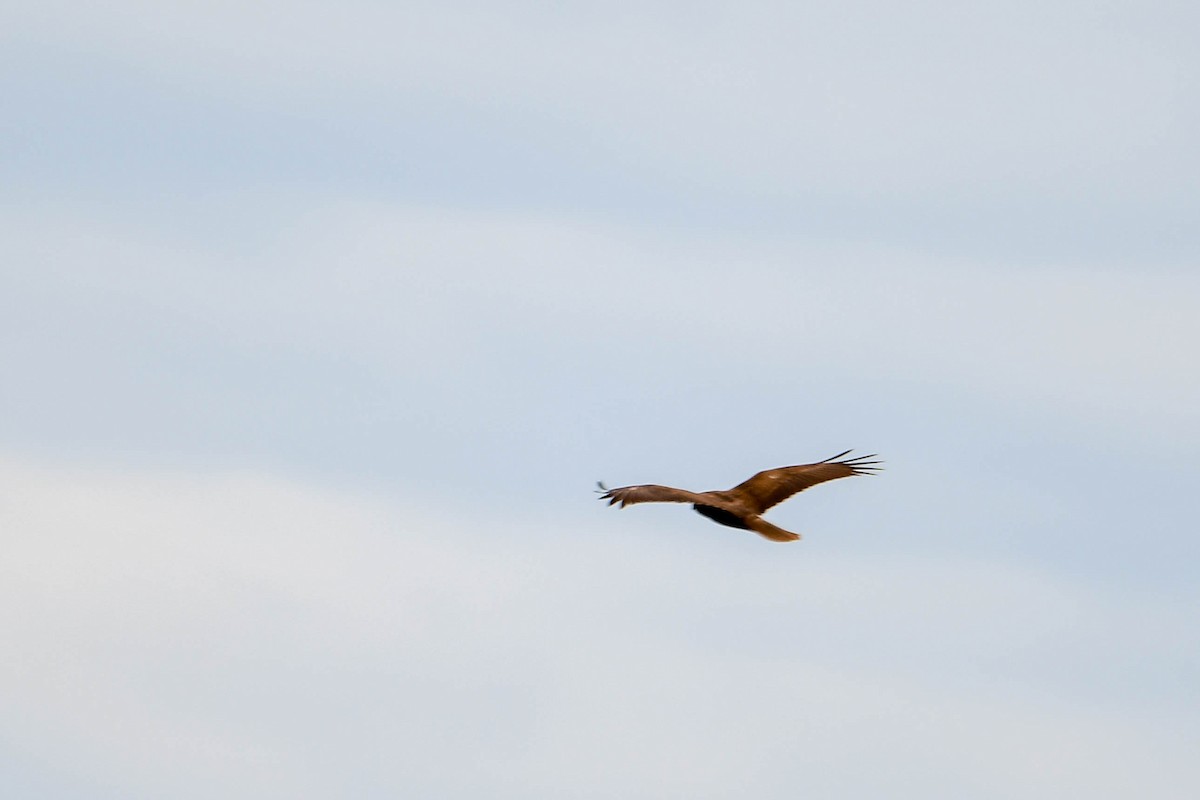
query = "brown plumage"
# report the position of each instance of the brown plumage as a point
(742, 506)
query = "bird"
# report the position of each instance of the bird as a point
(742, 506)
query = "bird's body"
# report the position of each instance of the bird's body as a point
(742, 506)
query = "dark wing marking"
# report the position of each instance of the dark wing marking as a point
(650, 493)
(773, 486)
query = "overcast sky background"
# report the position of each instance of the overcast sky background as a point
(318, 323)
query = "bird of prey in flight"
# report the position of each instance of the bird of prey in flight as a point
(743, 505)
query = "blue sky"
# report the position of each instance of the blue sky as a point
(318, 324)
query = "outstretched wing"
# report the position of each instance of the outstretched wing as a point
(650, 493)
(773, 486)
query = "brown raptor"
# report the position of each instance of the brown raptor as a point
(743, 505)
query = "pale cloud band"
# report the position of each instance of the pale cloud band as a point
(198, 635)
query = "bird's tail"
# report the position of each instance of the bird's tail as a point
(769, 531)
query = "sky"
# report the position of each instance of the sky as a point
(319, 322)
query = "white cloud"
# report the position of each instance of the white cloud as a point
(232, 634)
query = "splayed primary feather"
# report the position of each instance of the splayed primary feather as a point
(743, 505)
